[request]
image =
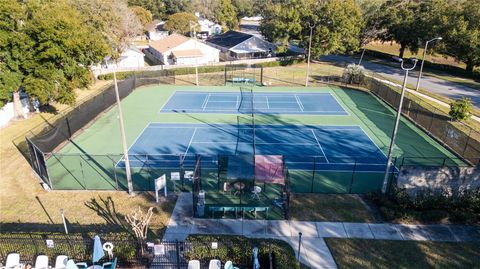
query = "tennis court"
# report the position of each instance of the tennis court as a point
(302, 103)
(335, 148)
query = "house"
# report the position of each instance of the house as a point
(155, 30)
(130, 58)
(207, 27)
(177, 49)
(236, 45)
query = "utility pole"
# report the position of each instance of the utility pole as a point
(395, 127)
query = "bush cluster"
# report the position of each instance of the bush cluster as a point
(430, 207)
(238, 249)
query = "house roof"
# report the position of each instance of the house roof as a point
(229, 39)
(154, 26)
(168, 42)
(187, 53)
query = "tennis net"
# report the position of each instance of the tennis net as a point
(246, 100)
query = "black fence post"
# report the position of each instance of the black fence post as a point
(299, 245)
(261, 75)
(177, 252)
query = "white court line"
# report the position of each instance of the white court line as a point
(319, 145)
(238, 102)
(168, 100)
(189, 143)
(299, 103)
(268, 105)
(131, 145)
(205, 101)
(261, 128)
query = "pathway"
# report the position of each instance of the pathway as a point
(314, 251)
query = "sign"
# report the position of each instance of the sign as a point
(49, 243)
(189, 175)
(158, 250)
(175, 175)
(160, 183)
(214, 245)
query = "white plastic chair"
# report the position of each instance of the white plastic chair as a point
(13, 261)
(61, 262)
(194, 264)
(256, 191)
(215, 264)
(41, 262)
(229, 265)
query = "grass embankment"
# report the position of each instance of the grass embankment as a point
(330, 207)
(362, 253)
(25, 206)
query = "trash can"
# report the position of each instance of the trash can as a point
(200, 209)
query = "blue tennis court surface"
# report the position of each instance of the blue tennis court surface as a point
(334, 148)
(322, 103)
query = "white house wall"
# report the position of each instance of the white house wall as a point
(210, 54)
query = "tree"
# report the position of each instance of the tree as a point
(143, 15)
(117, 23)
(371, 29)
(461, 109)
(282, 22)
(246, 8)
(156, 7)
(402, 21)
(180, 22)
(45, 50)
(226, 15)
(463, 33)
(177, 6)
(336, 25)
(206, 8)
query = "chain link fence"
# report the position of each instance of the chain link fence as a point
(460, 138)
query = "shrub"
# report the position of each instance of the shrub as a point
(353, 74)
(429, 206)
(461, 109)
(238, 249)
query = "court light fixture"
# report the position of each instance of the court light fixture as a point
(423, 59)
(397, 120)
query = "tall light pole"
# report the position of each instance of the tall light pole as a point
(309, 49)
(195, 40)
(423, 59)
(124, 138)
(395, 127)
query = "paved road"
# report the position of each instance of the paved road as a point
(435, 85)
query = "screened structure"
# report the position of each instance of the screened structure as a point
(244, 186)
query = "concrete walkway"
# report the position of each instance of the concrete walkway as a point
(314, 251)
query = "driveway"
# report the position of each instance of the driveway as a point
(435, 85)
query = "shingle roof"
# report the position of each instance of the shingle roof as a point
(152, 26)
(229, 39)
(187, 53)
(168, 42)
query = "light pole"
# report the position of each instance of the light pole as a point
(124, 138)
(195, 40)
(309, 49)
(395, 127)
(423, 59)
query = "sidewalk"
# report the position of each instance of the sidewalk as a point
(314, 251)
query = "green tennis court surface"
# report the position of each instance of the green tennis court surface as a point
(90, 161)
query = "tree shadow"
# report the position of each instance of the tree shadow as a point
(105, 208)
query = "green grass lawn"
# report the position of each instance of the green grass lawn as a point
(330, 207)
(362, 253)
